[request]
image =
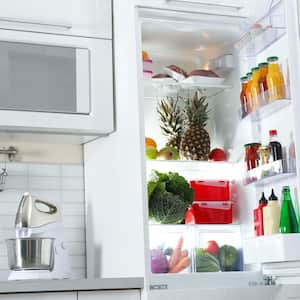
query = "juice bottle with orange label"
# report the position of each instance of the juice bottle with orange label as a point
(243, 99)
(263, 70)
(255, 90)
(275, 79)
(248, 92)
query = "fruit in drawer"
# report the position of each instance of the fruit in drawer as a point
(206, 262)
(151, 153)
(212, 248)
(168, 153)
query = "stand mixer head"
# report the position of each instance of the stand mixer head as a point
(38, 250)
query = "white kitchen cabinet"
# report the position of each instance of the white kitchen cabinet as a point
(38, 296)
(68, 17)
(110, 295)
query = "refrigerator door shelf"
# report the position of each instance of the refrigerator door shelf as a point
(276, 248)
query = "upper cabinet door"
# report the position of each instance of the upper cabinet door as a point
(91, 18)
(110, 295)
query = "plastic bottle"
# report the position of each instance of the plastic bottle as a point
(243, 98)
(248, 92)
(288, 220)
(275, 79)
(271, 215)
(258, 216)
(255, 89)
(263, 85)
(275, 146)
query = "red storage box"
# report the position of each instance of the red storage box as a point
(209, 212)
(211, 190)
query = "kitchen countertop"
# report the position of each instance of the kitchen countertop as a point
(71, 285)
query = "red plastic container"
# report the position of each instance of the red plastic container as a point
(211, 190)
(209, 212)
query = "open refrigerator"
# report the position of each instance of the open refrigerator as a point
(221, 38)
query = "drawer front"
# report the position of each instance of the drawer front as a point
(110, 295)
(38, 296)
(76, 17)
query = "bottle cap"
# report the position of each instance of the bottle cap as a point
(286, 188)
(255, 69)
(263, 64)
(273, 196)
(249, 74)
(263, 199)
(272, 132)
(244, 78)
(272, 58)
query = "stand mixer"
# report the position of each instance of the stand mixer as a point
(38, 251)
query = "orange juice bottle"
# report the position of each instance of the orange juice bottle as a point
(263, 69)
(255, 90)
(275, 79)
(243, 99)
(248, 92)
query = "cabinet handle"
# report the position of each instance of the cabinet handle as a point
(38, 23)
(207, 3)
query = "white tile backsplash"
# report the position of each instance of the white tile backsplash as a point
(62, 184)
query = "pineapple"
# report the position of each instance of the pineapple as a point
(195, 141)
(171, 121)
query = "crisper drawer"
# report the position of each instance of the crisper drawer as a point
(53, 83)
(76, 17)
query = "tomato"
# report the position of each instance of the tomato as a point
(212, 248)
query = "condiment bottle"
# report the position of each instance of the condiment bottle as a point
(275, 146)
(243, 98)
(248, 92)
(275, 79)
(263, 86)
(271, 215)
(255, 89)
(288, 220)
(258, 216)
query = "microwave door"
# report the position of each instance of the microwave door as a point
(44, 78)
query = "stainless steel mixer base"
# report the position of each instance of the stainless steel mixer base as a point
(30, 254)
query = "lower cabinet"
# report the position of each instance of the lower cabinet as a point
(39, 296)
(110, 295)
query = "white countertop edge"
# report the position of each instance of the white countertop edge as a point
(65, 285)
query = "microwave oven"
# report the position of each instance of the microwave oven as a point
(56, 83)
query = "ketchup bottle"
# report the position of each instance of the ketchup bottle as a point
(258, 216)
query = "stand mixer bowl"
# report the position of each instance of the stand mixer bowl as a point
(36, 253)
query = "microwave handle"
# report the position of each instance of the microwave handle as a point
(36, 23)
(207, 3)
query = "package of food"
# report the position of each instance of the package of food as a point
(175, 72)
(201, 76)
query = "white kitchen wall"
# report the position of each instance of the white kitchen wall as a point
(62, 184)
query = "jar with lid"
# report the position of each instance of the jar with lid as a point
(251, 155)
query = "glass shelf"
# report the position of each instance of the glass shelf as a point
(194, 169)
(270, 173)
(265, 32)
(167, 86)
(267, 110)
